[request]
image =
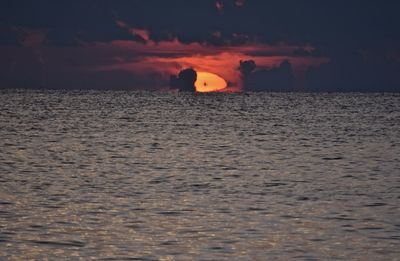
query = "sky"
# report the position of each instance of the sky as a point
(254, 45)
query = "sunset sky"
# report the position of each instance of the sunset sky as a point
(120, 44)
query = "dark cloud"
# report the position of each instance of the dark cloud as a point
(86, 80)
(276, 79)
(326, 23)
(302, 52)
(353, 71)
(72, 68)
(246, 68)
(184, 81)
(338, 30)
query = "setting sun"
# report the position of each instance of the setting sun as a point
(209, 82)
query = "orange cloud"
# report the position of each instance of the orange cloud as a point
(168, 57)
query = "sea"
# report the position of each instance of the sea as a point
(135, 175)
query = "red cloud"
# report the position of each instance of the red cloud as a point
(142, 33)
(219, 5)
(157, 58)
(239, 3)
(168, 57)
(31, 37)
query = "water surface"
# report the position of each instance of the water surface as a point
(149, 176)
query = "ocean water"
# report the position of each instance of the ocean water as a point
(174, 176)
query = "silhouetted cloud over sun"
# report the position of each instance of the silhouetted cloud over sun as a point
(185, 81)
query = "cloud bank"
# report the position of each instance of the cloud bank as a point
(297, 45)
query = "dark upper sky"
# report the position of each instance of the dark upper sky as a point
(297, 45)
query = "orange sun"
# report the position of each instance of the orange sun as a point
(209, 82)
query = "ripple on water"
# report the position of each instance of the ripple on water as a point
(67, 244)
(149, 176)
